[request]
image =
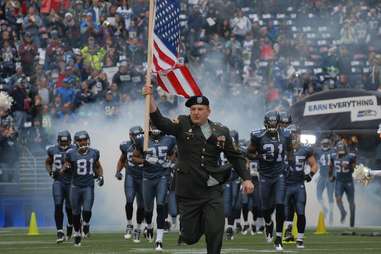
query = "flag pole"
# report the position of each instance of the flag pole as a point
(149, 72)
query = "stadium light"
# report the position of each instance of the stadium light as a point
(308, 139)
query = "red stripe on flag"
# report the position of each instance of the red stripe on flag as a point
(192, 83)
(156, 64)
(163, 56)
(176, 84)
(161, 83)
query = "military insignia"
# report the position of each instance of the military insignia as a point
(199, 100)
(175, 120)
(190, 130)
(221, 142)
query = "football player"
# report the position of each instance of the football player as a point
(61, 184)
(341, 167)
(253, 201)
(270, 146)
(295, 188)
(171, 206)
(232, 204)
(323, 155)
(155, 179)
(84, 164)
(132, 183)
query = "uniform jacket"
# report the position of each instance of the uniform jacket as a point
(198, 157)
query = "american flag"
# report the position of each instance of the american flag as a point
(172, 75)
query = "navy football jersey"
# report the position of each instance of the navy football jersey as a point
(323, 157)
(271, 151)
(343, 166)
(159, 149)
(82, 166)
(59, 155)
(127, 149)
(296, 166)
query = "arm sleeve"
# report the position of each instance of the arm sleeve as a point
(236, 158)
(164, 124)
(97, 155)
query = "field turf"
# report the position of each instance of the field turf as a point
(17, 241)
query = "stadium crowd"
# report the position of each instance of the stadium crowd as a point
(58, 56)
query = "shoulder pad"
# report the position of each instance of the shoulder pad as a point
(258, 132)
(49, 147)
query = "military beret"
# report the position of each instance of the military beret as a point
(197, 100)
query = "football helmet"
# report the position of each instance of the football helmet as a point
(284, 119)
(64, 139)
(82, 140)
(154, 132)
(271, 122)
(134, 132)
(295, 134)
(325, 143)
(341, 148)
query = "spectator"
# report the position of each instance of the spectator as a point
(126, 12)
(93, 54)
(241, 25)
(28, 52)
(67, 93)
(31, 24)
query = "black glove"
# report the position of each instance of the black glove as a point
(54, 174)
(119, 175)
(332, 178)
(100, 181)
(307, 178)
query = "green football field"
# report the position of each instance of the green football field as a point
(16, 241)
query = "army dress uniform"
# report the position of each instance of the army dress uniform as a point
(199, 180)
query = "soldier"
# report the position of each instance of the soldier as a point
(84, 165)
(132, 183)
(270, 146)
(199, 181)
(61, 185)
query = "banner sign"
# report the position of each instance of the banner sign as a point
(361, 108)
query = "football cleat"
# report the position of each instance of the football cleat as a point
(167, 226)
(238, 228)
(129, 230)
(136, 236)
(149, 234)
(261, 230)
(278, 243)
(159, 246)
(179, 241)
(86, 231)
(173, 227)
(299, 244)
(69, 232)
(60, 236)
(229, 233)
(245, 229)
(77, 240)
(253, 230)
(343, 216)
(269, 232)
(288, 237)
